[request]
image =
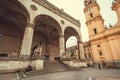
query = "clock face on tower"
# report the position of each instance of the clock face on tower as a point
(87, 2)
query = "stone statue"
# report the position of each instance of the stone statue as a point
(72, 50)
(38, 50)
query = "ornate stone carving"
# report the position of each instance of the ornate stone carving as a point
(33, 7)
(62, 22)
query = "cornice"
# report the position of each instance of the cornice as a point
(95, 19)
(57, 11)
(105, 36)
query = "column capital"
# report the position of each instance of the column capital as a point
(30, 25)
(61, 36)
(79, 42)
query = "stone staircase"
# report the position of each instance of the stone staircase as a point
(49, 67)
(55, 66)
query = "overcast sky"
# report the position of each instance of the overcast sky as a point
(75, 9)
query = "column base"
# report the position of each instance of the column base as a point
(24, 57)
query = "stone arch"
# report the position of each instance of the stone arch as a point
(47, 31)
(14, 18)
(70, 31)
(57, 25)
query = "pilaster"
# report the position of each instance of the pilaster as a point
(61, 45)
(81, 50)
(27, 41)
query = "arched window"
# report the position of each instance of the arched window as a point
(89, 55)
(91, 15)
(95, 31)
(98, 45)
(100, 53)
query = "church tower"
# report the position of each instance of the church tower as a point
(105, 43)
(94, 20)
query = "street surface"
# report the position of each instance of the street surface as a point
(85, 74)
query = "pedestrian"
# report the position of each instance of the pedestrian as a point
(99, 66)
(47, 56)
(103, 65)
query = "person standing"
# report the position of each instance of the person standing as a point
(99, 66)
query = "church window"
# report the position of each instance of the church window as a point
(98, 45)
(89, 55)
(100, 53)
(85, 56)
(91, 15)
(95, 31)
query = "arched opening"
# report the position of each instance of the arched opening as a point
(46, 32)
(71, 42)
(95, 31)
(13, 19)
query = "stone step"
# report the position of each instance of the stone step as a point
(50, 67)
(8, 76)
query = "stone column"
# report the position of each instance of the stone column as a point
(81, 50)
(27, 41)
(61, 45)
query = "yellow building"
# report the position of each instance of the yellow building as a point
(88, 53)
(105, 43)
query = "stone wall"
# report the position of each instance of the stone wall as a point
(16, 65)
(75, 64)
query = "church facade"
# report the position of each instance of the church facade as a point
(105, 42)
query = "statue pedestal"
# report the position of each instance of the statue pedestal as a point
(39, 64)
(75, 64)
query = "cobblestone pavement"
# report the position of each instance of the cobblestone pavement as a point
(85, 74)
(8, 76)
(107, 79)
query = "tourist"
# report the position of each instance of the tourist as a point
(99, 66)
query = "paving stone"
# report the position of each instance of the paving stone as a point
(107, 79)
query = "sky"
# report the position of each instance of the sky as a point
(75, 9)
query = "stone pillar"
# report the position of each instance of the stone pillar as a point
(81, 50)
(61, 45)
(27, 41)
